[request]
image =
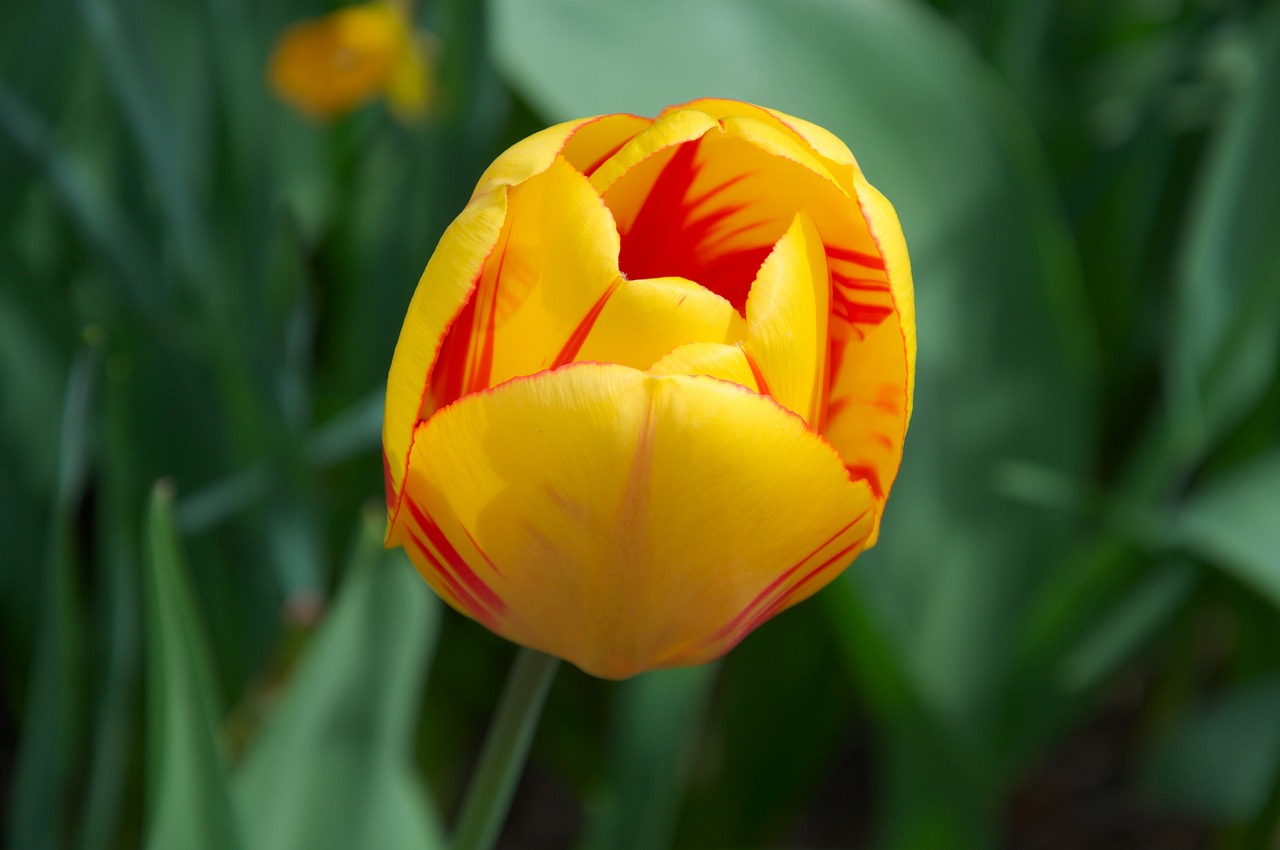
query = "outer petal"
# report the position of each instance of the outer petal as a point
(448, 280)
(625, 521)
(584, 143)
(886, 230)
(869, 404)
(787, 315)
(553, 272)
(664, 135)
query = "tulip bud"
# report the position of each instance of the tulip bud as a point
(653, 385)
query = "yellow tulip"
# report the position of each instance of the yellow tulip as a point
(653, 385)
(332, 64)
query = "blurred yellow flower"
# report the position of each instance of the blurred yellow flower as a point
(329, 65)
(653, 385)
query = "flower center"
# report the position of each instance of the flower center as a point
(691, 224)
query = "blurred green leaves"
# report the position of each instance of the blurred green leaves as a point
(1226, 333)
(1225, 761)
(331, 768)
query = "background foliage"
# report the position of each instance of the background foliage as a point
(1068, 635)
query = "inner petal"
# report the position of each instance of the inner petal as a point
(710, 210)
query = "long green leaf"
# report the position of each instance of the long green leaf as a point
(332, 767)
(104, 226)
(1222, 353)
(188, 795)
(49, 752)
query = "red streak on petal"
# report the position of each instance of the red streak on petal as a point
(487, 559)
(694, 203)
(781, 601)
(860, 284)
(447, 383)
(762, 386)
(460, 595)
(869, 474)
(482, 364)
(574, 344)
(669, 236)
(858, 313)
(868, 261)
(595, 166)
(455, 561)
(388, 483)
(747, 612)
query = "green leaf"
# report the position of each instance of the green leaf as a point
(105, 227)
(657, 721)
(48, 754)
(188, 795)
(119, 36)
(1115, 634)
(332, 766)
(1223, 762)
(1234, 522)
(1226, 336)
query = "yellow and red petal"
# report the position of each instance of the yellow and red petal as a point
(601, 514)
(787, 317)
(442, 292)
(661, 137)
(645, 319)
(585, 143)
(542, 290)
(891, 244)
(873, 362)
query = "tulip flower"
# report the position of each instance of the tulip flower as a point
(332, 64)
(653, 385)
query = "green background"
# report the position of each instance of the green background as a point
(1067, 636)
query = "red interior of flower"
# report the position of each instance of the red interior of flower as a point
(683, 231)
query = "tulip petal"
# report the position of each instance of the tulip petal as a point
(886, 230)
(712, 209)
(714, 360)
(625, 521)
(834, 154)
(553, 272)
(662, 136)
(585, 143)
(787, 316)
(448, 280)
(778, 142)
(645, 319)
(873, 382)
(868, 408)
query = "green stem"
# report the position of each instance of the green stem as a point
(485, 808)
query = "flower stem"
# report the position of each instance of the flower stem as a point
(485, 808)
